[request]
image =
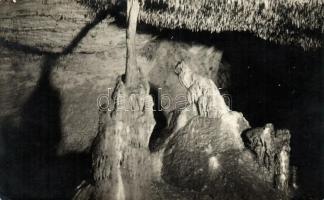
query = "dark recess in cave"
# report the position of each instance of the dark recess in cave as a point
(282, 85)
(159, 133)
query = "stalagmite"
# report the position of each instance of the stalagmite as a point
(203, 96)
(121, 160)
(272, 150)
(122, 166)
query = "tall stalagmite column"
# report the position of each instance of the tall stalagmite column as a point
(121, 158)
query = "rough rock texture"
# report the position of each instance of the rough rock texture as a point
(206, 151)
(62, 106)
(201, 137)
(293, 22)
(206, 158)
(121, 162)
(91, 54)
(272, 150)
(202, 99)
(202, 92)
(164, 54)
(205, 125)
(38, 106)
(165, 84)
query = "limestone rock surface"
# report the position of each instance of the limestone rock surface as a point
(272, 150)
(121, 162)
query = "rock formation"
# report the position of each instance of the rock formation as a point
(121, 162)
(272, 150)
(207, 153)
(120, 157)
(27, 26)
(202, 92)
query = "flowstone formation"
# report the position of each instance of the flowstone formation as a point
(212, 150)
(202, 92)
(207, 153)
(120, 156)
(206, 101)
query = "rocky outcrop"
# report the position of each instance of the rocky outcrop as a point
(203, 96)
(272, 151)
(204, 157)
(207, 153)
(190, 154)
(35, 31)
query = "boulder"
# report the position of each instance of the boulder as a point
(208, 156)
(193, 153)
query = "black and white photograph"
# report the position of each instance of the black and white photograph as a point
(161, 99)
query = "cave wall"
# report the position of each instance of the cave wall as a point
(48, 94)
(56, 59)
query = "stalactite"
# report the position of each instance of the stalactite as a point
(244, 16)
(132, 72)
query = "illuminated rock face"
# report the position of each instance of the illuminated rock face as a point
(207, 153)
(195, 155)
(204, 98)
(272, 150)
(121, 161)
(204, 153)
(206, 101)
(202, 92)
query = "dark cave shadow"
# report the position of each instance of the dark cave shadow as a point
(31, 168)
(24, 48)
(281, 85)
(160, 132)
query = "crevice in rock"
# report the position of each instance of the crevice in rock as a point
(159, 134)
